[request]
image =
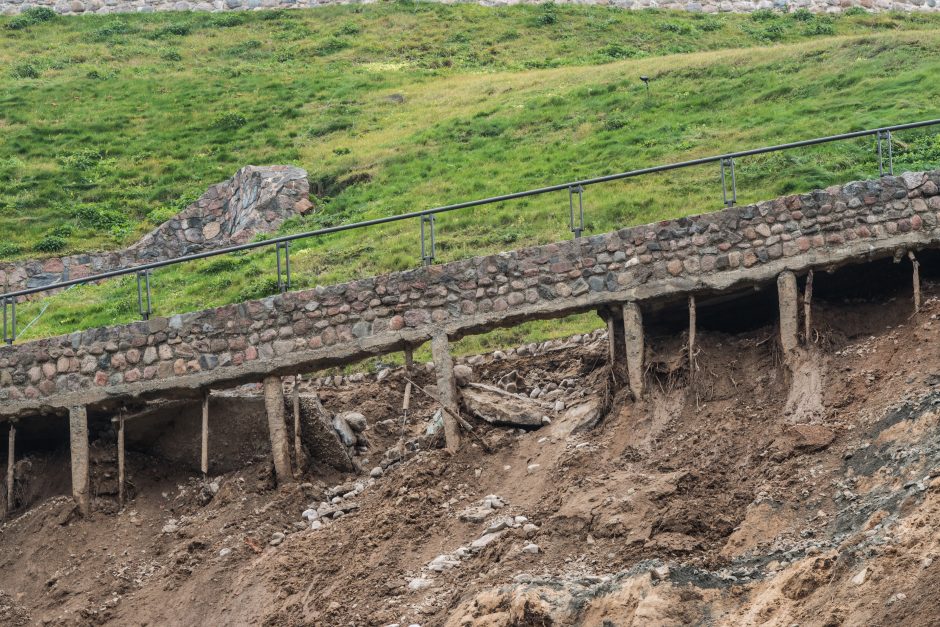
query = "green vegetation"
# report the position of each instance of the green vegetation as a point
(401, 106)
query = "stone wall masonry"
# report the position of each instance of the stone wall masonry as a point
(79, 7)
(255, 200)
(339, 324)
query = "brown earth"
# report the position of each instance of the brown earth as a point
(749, 494)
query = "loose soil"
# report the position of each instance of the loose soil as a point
(756, 492)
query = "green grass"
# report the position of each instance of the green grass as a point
(397, 107)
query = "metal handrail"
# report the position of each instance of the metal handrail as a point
(573, 187)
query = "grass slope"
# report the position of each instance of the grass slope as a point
(118, 121)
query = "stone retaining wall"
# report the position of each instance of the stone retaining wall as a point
(78, 7)
(342, 323)
(255, 200)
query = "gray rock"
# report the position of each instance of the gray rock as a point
(276, 538)
(463, 374)
(346, 435)
(355, 420)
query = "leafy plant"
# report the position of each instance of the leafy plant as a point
(229, 121)
(25, 70)
(50, 244)
(31, 16)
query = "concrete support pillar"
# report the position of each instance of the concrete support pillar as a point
(274, 406)
(446, 388)
(299, 458)
(121, 460)
(633, 340)
(808, 310)
(916, 268)
(693, 324)
(78, 439)
(612, 340)
(409, 359)
(11, 460)
(788, 297)
(204, 457)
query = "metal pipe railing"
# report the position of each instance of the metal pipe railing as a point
(725, 161)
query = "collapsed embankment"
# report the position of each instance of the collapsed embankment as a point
(749, 493)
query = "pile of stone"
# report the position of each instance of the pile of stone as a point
(492, 531)
(339, 503)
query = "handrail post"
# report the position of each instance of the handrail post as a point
(882, 136)
(141, 288)
(579, 229)
(427, 258)
(7, 341)
(282, 285)
(287, 261)
(729, 202)
(277, 253)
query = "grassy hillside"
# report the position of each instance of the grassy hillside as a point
(110, 124)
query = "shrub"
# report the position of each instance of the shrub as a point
(331, 126)
(548, 15)
(674, 27)
(229, 121)
(50, 244)
(348, 29)
(40, 14)
(618, 51)
(855, 11)
(820, 26)
(763, 15)
(330, 46)
(63, 230)
(110, 30)
(8, 249)
(96, 75)
(709, 25)
(31, 16)
(802, 15)
(99, 218)
(226, 20)
(616, 121)
(171, 30)
(24, 70)
(171, 55)
(259, 288)
(81, 160)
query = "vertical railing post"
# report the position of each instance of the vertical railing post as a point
(728, 163)
(9, 334)
(287, 261)
(282, 284)
(277, 253)
(142, 290)
(882, 137)
(6, 338)
(427, 258)
(579, 228)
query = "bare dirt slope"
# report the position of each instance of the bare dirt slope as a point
(753, 494)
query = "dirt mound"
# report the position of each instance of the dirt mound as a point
(756, 494)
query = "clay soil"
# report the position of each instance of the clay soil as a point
(744, 489)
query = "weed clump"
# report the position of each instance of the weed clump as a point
(50, 244)
(8, 249)
(25, 70)
(229, 121)
(330, 46)
(171, 30)
(29, 17)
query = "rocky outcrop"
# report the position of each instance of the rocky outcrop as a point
(256, 200)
